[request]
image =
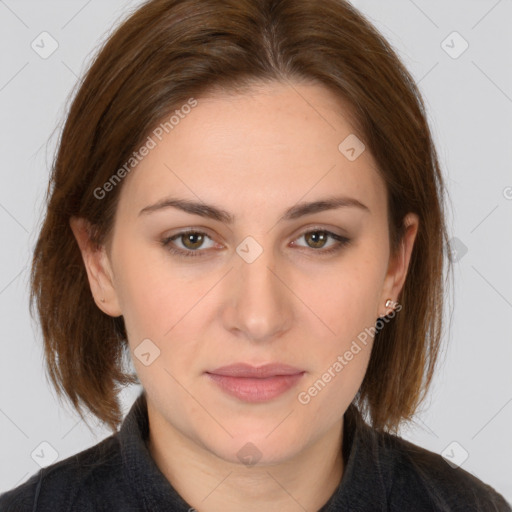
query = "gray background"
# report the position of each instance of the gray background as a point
(469, 100)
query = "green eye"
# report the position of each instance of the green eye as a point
(192, 242)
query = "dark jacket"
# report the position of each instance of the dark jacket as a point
(382, 473)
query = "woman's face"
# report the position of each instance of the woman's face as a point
(271, 286)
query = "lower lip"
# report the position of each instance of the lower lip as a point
(256, 390)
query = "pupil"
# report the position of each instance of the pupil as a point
(194, 238)
(318, 237)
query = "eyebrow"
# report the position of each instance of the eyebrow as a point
(216, 213)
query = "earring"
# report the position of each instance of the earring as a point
(102, 299)
(389, 303)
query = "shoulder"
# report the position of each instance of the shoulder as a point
(414, 475)
(61, 485)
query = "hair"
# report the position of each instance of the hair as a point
(168, 51)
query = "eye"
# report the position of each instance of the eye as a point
(192, 241)
(317, 238)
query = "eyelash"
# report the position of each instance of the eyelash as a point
(166, 242)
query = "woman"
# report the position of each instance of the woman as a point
(246, 199)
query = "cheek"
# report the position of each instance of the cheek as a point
(341, 357)
(350, 294)
(144, 292)
(162, 304)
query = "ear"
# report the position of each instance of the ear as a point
(398, 265)
(98, 267)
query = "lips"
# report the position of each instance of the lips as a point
(256, 384)
(262, 372)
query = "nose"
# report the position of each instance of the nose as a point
(260, 305)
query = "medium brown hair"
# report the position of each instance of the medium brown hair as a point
(168, 51)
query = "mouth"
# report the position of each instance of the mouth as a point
(256, 384)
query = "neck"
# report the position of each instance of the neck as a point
(209, 483)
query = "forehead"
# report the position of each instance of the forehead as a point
(274, 143)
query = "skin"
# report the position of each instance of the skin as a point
(255, 155)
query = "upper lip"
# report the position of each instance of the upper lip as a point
(248, 371)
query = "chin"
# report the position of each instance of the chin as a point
(251, 447)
